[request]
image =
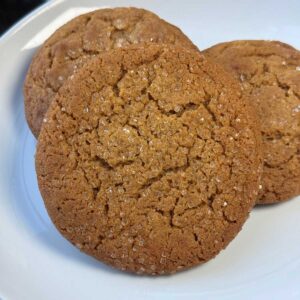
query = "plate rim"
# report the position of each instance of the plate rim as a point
(18, 25)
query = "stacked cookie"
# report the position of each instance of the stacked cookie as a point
(150, 156)
(269, 74)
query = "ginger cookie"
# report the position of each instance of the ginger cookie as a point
(149, 159)
(83, 37)
(269, 73)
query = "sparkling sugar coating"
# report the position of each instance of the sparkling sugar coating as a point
(138, 183)
(73, 44)
(268, 72)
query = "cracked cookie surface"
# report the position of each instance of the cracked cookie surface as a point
(149, 159)
(83, 37)
(269, 73)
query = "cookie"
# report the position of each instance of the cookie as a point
(269, 73)
(83, 37)
(149, 159)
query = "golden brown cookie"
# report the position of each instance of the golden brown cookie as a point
(80, 39)
(149, 159)
(269, 72)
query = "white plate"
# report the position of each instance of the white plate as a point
(36, 263)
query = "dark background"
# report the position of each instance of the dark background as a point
(13, 10)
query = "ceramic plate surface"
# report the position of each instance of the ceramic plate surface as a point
(36, 263)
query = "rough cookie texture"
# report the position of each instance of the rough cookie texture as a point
(149, 159)
(83, 37)
(269, 72)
